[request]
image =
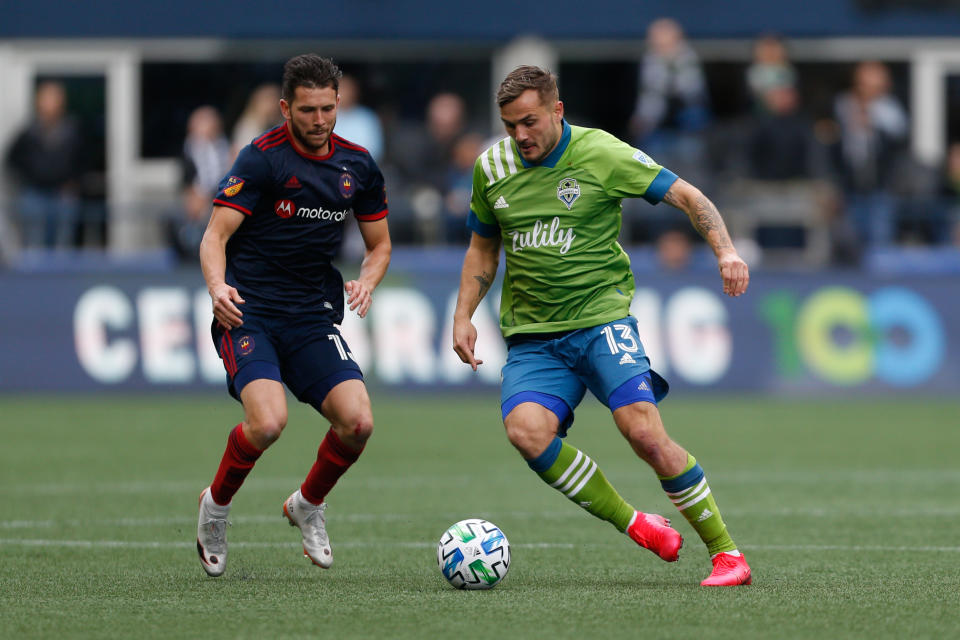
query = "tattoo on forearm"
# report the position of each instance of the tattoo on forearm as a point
(702, 213)
(485, 280)
(671, 199)
(706, 219)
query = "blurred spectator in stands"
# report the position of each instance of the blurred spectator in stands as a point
(422, 154)
(459, 186)
(46, 160)
(261, 113)
(872, 131)
(674, 249)
(206, 151)
(781, 144)
(356, 122)
(951, 192)
(672, 107)
(770, 69)
(206, 159)
(359, 124)
(784, 203)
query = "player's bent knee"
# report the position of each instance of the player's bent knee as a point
(639, 421)
(266, 431)
(362, 428)
(266, 425)
(530, 432)
(651, 451)
(527, 443)
(355, 430)
(642, 434)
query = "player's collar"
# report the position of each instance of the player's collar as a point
(554, 156)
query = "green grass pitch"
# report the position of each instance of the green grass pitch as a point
(847, 511)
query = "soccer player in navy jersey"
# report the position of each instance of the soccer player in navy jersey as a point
(277, 224)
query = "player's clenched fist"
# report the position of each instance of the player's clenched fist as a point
(735, 274)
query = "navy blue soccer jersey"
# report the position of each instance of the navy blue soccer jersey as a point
(280, 259)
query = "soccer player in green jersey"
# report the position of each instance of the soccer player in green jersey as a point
(550, 194)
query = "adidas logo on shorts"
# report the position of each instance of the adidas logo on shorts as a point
(627, 359)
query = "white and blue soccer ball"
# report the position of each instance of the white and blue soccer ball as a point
(473, 554)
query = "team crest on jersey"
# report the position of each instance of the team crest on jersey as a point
(245, 345)
(568, 190)
(644, 159)
(284, 208)
(346, 185)
(234, 184)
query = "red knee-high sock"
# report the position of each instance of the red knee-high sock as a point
(237, 461)
(333, 460)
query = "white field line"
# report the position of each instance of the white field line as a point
(151, 544)
(148, 544)
(192, 488)
(779, 512)
(181, 520)
(748, 477)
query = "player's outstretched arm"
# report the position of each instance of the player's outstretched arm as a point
(376, 259)
(476, 278)
(224, 221)
(706, 220)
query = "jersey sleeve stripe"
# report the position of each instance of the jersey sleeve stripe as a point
(273, 144)
(481, 228)
(269, 137)
(496, 162)
(271, 131)
(485, 163)
(508, 153)
(346, 144)
(233, 205)
(370, 217)
(660, 185)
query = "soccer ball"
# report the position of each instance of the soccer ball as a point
(473, 554)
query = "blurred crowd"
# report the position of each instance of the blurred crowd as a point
(792, 187)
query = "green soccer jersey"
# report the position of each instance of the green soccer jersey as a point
(559, 221)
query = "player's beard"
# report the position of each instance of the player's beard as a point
(545, 149)
(309, 143)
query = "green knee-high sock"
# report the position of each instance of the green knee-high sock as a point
(691, 494)
(577, 476)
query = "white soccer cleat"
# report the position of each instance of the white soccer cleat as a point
(212, 535)
(313, 525)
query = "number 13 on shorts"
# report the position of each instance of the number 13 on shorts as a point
(620, 338)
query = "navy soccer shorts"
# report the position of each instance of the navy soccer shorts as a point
(310, 358)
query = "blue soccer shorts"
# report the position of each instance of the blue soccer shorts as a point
(310, 358)
(555, 371)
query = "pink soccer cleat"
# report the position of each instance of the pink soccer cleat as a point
(654, 532)
(728, 571)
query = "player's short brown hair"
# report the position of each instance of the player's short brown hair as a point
(528, 77)
(311, 71)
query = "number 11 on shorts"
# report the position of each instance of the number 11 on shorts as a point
(337, 341)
